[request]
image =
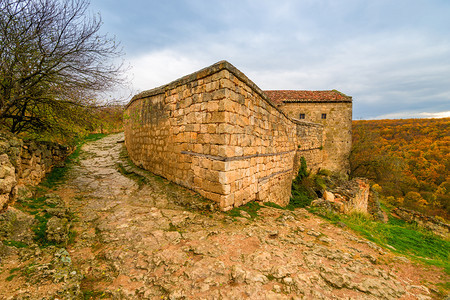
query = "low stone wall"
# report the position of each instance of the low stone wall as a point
(430, 223)
(216, 132)
(25, 163)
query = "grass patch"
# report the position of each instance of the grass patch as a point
(13, 270)
(11, 277)
(251, 208)
(40, 230)
(301, 197)
(274, 205)
(16, 244)
(407, 239)
(58, 174)
(37, 208)
(31, 205)
(95, 294)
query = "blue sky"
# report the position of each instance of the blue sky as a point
(393, 57)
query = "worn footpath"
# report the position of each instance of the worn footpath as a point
(142, 237)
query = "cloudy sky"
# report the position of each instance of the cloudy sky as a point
(393, 57)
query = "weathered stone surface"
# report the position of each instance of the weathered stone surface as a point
(142, 242)
(16, 226)
(349, 196)
(57, 229)
(335, 278)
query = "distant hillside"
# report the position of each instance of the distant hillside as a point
(409, 159)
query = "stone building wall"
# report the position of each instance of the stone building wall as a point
(310, 145)
(216, 132)
(337, 136)
(25, 163)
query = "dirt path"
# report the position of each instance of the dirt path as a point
(141, 241)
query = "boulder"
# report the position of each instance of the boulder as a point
(329, 196)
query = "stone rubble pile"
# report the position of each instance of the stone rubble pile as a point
(352, 195)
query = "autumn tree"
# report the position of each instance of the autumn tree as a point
(53, 62)
(368, 158)
(409, 159)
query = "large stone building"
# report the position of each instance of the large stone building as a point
(216, 132)
(333, 110)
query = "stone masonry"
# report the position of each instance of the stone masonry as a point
(25, 163)
(216, 132)
(333, 110)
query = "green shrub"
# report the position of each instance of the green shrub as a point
(303, 187)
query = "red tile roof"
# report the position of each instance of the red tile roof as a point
(279, 97)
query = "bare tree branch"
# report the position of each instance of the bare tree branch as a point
(53, 61)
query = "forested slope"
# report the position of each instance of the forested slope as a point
(409, 159)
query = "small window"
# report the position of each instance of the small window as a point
(324, 116)
(302, 116)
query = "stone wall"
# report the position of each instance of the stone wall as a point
(216, 132)
(310, 145)
(436, 226)
(337, 135)
(25, 163)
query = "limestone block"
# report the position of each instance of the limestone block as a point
(220, 165)
(216, 187)
(7, 175)
(212, 106)
(211, 175)
(238, 199)
(214, 149)
(219, 94)
(328, 196)
(226, 151)
(226, 128)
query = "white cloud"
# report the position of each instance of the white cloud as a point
(394, 74)
(406, 115)
(161, 67)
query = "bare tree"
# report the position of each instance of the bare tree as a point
(53, 61)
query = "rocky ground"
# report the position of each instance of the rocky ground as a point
(141, 237)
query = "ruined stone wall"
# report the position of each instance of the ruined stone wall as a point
(431, 223)
(337, 135)
(214, 131)
(25, 163)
